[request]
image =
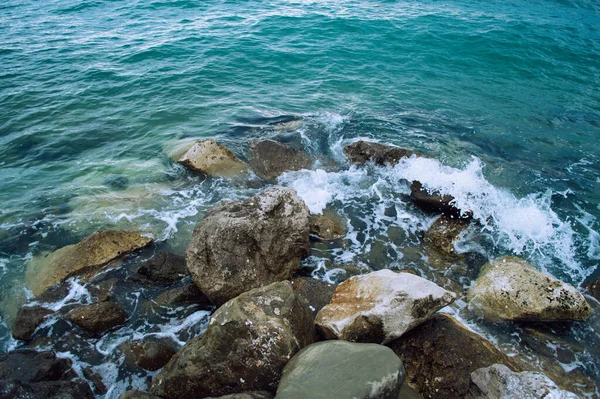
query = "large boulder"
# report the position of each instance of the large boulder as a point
(245, 347)
(361, 152)
(380, 306)
(440, 355)
(98, 318)
(511, 289)
(28, 319)
(269, 159)
(82, 259)
(147, 355)
(240, 245)
(211, 158)
(338, 369)
(318, 293)
(499, 382)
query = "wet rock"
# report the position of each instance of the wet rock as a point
(211, 158)
(117, 182)
(318, 293)
(245, 347)
(135, 394)
(511, 289)
(102, 291)
(166, 268)
(499, 382)
(98, 318)
(82, 259)
(148, 355)
(240, 245)
(327, 227)
(77, 389)
(247, 395)
(361, 152)
(28, 319)
(443, 233)
(380, 306)
(186, 294)
(30, 366)
(440, 354)
(96, 380)
(269, 159)
(435, 202)
(338, 369)
(593, 288)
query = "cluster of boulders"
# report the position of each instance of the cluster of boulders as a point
(275, 333)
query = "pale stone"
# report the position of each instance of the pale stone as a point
(211, 158)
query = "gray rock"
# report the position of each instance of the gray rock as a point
(97, 318)
(380, 306)
(245, 347)
(269, 159)
(28, 319)
(186, 294)
(211, 158)
(318, 293)
(135, 394)
(148, 355)
(166, 268)
(361, 152)
(511, 289)
(29, 366)
(338, 369)
(499, 382)
(327, 227)
(240, 245)
(78, 389)
(247, 395)
(96, 380)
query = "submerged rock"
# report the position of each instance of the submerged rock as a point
(338, 369)
(82, 259)
(240, 245)
(245, 347)
(269, 159)
(211, 158)
(96, 380)
(166, 268)
(327, 227)
(440, 354)
(434, 201)
(148, 355)
(361, 152)
(499, 382)
(380, 306)
(593, 288)
(98, 318)
(28, 319)
(511, 289)
(186, 294)
(443, 233)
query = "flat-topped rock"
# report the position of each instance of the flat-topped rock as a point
(83, 259)
(361, 152)
(511, 289)
(211, 158)
(240, 245)
(270, 158)
(98, 318)
(380, 306)
(339, 369)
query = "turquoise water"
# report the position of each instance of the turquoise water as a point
(97, 96)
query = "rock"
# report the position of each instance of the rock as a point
(77, 389)
(186, 294)
(135, 394)
(269, 159)
(247, 395)
(338, 369)
(440, 354)
(98, 318)
(96, 380)
(240, 245)
(435, 202)
(593, 288)
(499, 382)
(361, 152)
(211, 158)
(81, 259)
(166, 268)
(511, 289)
(147, 355)
(245, 347)
(443, 233)
(29, 366)
(326, 227)
(28, 319)
(380, 306)
(318, 293)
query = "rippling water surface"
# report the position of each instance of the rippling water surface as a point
(97, 96)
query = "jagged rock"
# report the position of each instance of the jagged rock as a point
(166, 268)
(440, 354)
(211, 158)
(361, 152)
(240, 245)
(511, 289)
(443, 233)
(433, 201)
(77, 389)
(147, 355)
(186, 294)
(245, 347)
(593, 288)
(82, 259)
(269, 159)
(30, 366)
(247, 395)
(327, 227)
(380, 306)
(499, 382)
(318, 293)
(98, 318)
(96, 380)
(135, 394)
(28, 319)
(338, 369)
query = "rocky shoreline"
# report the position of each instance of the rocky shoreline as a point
(275, 332)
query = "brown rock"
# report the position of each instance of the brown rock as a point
(327, 227)
(211, 158)
(443, 233)
(593, 288)
(166, 268)
(269, 159)
(361, 152)
(440, 355)
(186, 294)
(98, 318)
(435, 202)
(96, 380)
(147, 355)
(135, 394)
(28, 319)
